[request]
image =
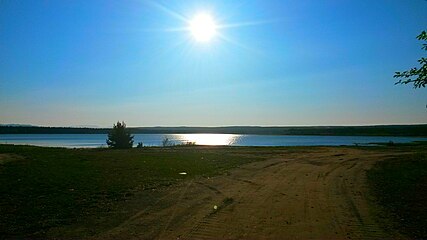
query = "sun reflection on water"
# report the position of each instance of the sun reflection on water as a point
(208, 139)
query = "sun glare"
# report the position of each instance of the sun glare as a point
(209, 139)
(203, 27)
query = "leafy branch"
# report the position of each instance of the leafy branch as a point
(417, 76)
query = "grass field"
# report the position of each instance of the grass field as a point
(400, 188)
(57, 192)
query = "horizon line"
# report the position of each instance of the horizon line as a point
(222, 126)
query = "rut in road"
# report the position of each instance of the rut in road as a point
(318, 195)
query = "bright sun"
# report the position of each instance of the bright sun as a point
(203, 27)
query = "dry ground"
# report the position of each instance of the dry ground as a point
(4, 158)
(320, 193)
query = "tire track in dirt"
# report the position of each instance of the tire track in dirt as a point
(210, 225)
(318, 195)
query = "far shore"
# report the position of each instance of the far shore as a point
(416, 130)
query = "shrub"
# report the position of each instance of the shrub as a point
(166, 142)
(119, 137)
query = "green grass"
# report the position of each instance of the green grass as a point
(54, 187)
(400, 188)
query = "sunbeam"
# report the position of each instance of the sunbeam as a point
(236, 43)
(246, 24)
(168, 11)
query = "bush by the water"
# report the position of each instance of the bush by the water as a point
(119, 137)
(166, 142)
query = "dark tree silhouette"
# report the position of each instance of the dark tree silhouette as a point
(418, 76)
(119, 137)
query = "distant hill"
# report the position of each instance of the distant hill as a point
(15, 125)
(380, 130)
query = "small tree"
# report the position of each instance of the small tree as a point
(417, 76)
(119, 137)
(166, 142)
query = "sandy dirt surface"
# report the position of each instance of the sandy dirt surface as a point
(317, 194)
(4, 158)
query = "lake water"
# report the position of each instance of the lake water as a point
(98, 140)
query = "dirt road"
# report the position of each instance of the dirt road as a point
(318, 194)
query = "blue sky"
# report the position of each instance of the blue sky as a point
(69, 63)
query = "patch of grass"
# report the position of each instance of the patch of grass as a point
(53, 187)
(400, 187)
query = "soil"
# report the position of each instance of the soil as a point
(318, 194)
(4, 158)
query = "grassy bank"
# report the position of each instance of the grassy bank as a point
(400, 188)
(43, 188)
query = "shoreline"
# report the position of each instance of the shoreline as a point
(178, 140)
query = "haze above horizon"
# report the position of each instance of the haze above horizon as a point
(209, 63)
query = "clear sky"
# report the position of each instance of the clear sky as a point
(276, 62)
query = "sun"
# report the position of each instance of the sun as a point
(203, 27)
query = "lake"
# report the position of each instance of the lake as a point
(98, 140)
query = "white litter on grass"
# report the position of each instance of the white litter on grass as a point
(215, 207)
(183, 173)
